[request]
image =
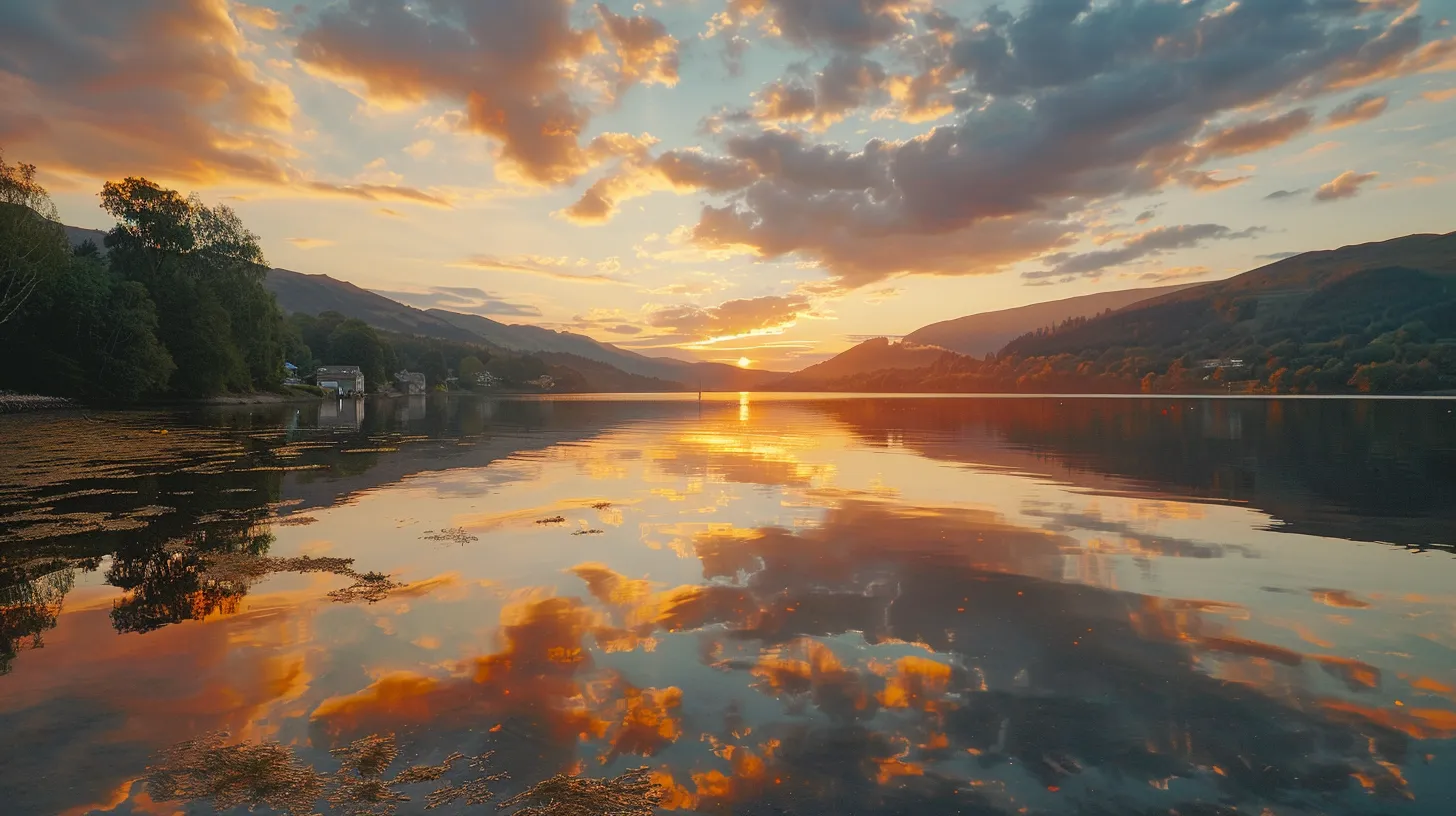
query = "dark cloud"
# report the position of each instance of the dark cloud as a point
(463, 299)
(1080, 103)
(1345, 185)
(1278, 194)
(514, 64)
(847, 83)
(855, 25)
(1152, 243)
(1362, 108)
(1276, 256)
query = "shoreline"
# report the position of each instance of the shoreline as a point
(32, 403)
(26, 403)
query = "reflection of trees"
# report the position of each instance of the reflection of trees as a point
(28, 610)
(169, 584)
(180, 582)
(168, 512)
(227, 775)
(1378, 471)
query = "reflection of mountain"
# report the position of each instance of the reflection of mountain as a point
(164, 508)
(1368, 471)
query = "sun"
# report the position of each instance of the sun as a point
(744, 362)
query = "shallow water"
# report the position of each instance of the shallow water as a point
(859, 606)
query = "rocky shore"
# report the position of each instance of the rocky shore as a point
(16, 403)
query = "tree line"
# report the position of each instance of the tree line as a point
(173, 305)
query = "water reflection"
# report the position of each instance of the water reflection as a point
(893, 606)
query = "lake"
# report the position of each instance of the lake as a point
(776, 604)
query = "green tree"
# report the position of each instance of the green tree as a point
(432, 365)
(204, 270)
(354, 342)
(470, 368)
(32, 243)
(82, 330)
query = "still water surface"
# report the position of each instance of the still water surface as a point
(856, 606)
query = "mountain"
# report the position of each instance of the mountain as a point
(1372, 318)
(80, 235)
(1342, 296)
(980, 334)
(534, 339)
(871, 356)
(313, 294)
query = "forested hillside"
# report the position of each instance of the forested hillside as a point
(173, 304)
(1375, 318)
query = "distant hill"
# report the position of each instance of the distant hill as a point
(980, 334)
(80, 235)
(604, 366)
(713, 376)
(314, 294)
(875, 355)
(1373, 318)
(1318, 300)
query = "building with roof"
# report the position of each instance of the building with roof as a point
(345, 381)
(411, 383)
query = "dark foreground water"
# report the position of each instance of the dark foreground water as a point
(848, 606)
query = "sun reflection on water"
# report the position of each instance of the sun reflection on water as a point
(877, 608)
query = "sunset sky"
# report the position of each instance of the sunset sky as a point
(770, 179)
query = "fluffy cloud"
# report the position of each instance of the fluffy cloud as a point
(514, 65)
(1362, 108)
(162, 88)
(733, 319)
(647, 53)
(847, 83)
(1345, 185)
(1067, 114)
(258, 16)
(92, 89)
(857, 25)
(1251, 137)
(679, 170)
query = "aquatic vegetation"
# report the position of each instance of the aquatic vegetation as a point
(632, 794)
(296, 521)
(473, 792)
(454, 535)
(552, 520)
(589, 532)
(208, 769)
(252, 774)
(371, 587)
